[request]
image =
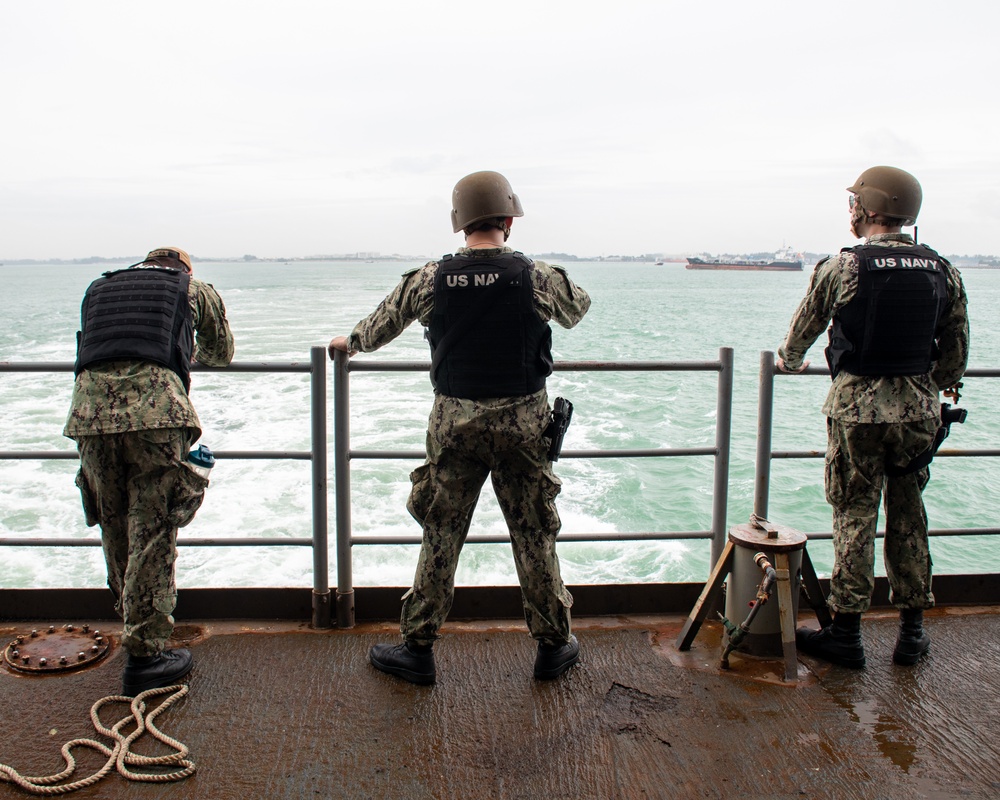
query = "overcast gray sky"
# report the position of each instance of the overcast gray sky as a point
(302, 128)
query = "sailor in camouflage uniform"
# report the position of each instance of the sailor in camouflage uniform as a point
(134, 423)
(486, 310)
(900, 335)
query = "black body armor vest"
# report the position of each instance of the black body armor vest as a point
(138, 313)
(890, 326)
(486, 338)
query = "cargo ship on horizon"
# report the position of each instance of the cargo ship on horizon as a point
(785, 260)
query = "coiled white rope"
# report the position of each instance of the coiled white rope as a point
(120, 756)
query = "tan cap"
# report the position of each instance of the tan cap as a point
(171, 252)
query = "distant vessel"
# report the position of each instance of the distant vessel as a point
(785, 260)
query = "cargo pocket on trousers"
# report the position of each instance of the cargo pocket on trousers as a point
(89, 503)
(189, 492)
(548, 514)
(165, 603)
(835, 479)
(419, 501)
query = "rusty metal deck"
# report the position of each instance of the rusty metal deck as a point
(277, 710)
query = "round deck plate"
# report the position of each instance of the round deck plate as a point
(51, 649)
(754, 538)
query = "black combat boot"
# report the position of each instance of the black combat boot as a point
(554, 659)
(913, 641)
(151, 672)
(839, 643)
(409, 661)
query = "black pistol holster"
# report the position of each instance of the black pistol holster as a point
(562, 413)
(948, 416)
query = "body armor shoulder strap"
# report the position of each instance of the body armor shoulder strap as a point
(458, 260)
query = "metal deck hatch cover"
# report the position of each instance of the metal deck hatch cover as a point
(50, 649)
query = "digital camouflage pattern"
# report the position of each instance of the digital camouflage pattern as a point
(855, 481)
(134, 423)
(873, 421)
(139, 489)
(469, 440)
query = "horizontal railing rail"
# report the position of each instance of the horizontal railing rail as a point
(765, 453)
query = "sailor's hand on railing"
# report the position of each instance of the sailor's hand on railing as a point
(780, 364)
(339, 343)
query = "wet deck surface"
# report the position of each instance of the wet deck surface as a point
(282, 711)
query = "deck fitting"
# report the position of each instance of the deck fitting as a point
(55, 650)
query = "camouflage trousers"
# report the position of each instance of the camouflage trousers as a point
(460, 456)
(139, 489)
(855, 483)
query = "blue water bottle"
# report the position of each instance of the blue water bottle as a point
(202, 460)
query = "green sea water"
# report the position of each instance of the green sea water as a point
(640, 312)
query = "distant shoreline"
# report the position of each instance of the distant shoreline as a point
(963, 262)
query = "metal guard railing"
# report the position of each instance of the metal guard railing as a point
(343, 454)
(317, 454)
(765, 453)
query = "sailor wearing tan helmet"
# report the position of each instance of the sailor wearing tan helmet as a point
(486, 310)
(899, 336)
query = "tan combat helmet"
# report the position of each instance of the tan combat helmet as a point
(890, 192)
(482, 195)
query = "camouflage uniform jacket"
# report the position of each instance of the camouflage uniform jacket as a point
(556, 298)
(862, 399)
(129, 395)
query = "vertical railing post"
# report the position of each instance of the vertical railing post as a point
(723, 446)
(321, 544)
(342, 485)
(765, 426)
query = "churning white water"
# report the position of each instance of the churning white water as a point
(640, 312)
